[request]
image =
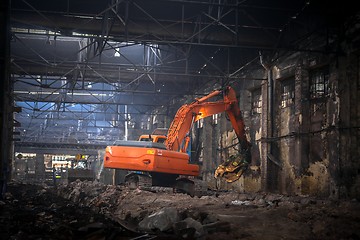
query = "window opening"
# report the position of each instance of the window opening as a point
(200, 123)
(319, 83)
(215, 119)
(287, 93)
(256, 101)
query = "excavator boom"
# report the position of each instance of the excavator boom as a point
(188, 114)
(199, 109)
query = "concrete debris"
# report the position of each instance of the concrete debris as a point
(239, 202)
(74, 211)
(189, 228)
(39, 213)
(216, 215)
(162, 220)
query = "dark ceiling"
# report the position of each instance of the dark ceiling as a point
(84, 64)
(249, 24)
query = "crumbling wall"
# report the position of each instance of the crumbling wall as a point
(302, 134)
(315, 142)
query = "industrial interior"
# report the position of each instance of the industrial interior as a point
(180, 119)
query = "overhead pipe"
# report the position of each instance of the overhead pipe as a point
(270, 101)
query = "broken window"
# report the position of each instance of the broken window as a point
(287, 92)
(256, 101)
(319, 82)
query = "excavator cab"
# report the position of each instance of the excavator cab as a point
(152, 138)
(157, 136)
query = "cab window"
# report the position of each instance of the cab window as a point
(161, 140)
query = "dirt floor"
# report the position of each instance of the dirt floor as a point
(91, 210)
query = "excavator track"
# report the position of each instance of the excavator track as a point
(182, 184)
(138, 180)
(192, 186)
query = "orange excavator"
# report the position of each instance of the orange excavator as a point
(162, 160)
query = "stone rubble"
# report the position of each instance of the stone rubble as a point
(91, 210)
(217, 214)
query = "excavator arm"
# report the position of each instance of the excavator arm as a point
(188, 114)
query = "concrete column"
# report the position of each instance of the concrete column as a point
(264, 132)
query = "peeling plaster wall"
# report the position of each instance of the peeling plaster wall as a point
(316, 181)
(316, 139)
(302, 134)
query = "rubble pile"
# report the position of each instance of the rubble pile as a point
(91, 210)
(36, 212)
(220, 215)
(146, 211)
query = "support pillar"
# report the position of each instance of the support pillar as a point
(5, 102)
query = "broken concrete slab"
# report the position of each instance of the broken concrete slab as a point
(162, 220)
